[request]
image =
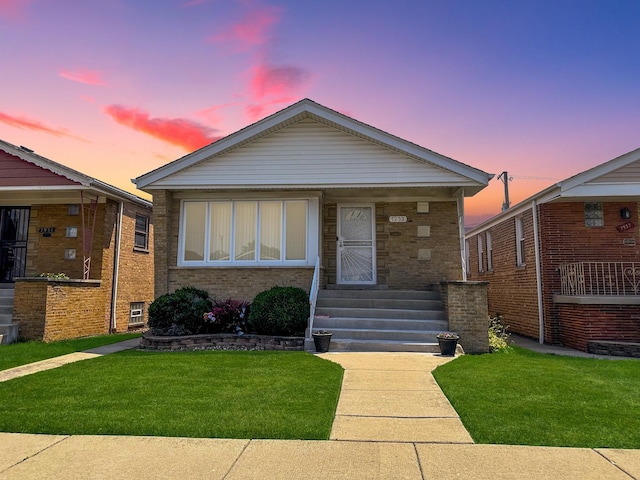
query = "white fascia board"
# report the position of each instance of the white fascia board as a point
(602, 190)
(312, 108)
(602, 169)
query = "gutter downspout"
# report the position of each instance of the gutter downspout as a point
(116, 269)
(536, 243)
(460, 202)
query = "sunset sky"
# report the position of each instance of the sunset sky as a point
(543, 89)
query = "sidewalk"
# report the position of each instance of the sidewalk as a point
(55, 362)
(392, 422)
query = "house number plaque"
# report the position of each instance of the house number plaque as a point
(397, 218)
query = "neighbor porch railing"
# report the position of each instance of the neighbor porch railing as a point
(313, 295)
(600, 278)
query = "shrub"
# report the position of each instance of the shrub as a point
(227, 316)
(180, 312)
(498, 336)
(280, 311)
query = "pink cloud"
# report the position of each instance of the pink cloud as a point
(90, 77)
(212, 114)
(252, 30)
(30, 124)
(270, 80)
(13, 9)
(177, 131)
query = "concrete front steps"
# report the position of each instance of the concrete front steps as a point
(380, 320)
(8, 329)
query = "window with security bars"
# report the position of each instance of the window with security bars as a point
(136, 313)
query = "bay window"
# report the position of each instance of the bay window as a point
(248, 232)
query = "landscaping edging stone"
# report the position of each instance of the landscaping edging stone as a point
(220, 341)
(620, 349)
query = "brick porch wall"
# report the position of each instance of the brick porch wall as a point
(466, 307)
(582, 323)
(50, 310)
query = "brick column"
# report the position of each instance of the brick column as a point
(161, 240)
(468, 312)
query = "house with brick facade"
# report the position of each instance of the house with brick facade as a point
(563, 266)
(312, 198)
(94, 239)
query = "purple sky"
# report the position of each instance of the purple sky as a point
(115, 88)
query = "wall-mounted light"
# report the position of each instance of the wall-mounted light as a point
(625, 213)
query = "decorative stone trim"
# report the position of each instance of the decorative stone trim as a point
(220, 341)
(620, 349)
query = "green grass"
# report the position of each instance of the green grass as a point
(520, 397)
(285, 395)
(18, 354)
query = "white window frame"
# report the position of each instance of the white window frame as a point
(520, 253)
(489, 252)
(480, 254)
(312, 240)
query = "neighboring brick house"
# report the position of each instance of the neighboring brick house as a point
(307, 190)
(564, 265)
(54, 219)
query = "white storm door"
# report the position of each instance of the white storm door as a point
(356, 245)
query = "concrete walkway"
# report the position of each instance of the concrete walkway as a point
(56, 362)
(392, 422)
(392, 397)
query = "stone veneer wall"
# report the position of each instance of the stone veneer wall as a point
(468, 313)
(51, 310)
(221, 341)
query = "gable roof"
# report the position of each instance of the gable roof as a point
(615, 179)
(307, 119)
(61, 177)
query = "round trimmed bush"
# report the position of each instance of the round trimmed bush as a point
(181, 311)
(280, 311)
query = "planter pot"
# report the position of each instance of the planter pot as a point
(322, 341)
(448, 346)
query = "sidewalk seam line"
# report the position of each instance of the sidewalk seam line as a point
(36, 454)
(237, 459)
(614, 464)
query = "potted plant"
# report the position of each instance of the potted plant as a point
(322, 340)
(448, 341)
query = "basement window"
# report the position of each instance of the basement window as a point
(136, 314)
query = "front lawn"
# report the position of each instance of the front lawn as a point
(285, 395)
(18, 354)
(519, 397)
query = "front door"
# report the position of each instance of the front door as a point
(14, 227)
(356, 245)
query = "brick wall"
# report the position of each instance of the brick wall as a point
(564, 239)
(135, 280)
(57, 310)
(47, 254)
(398, 246)
(582, 323)
(466, 307)
(240, 282)
(165, 209)
(512, 289)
